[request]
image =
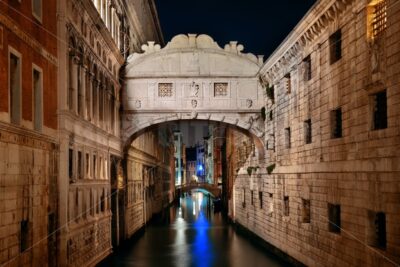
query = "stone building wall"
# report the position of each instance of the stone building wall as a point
(95, 38)
(150, 178)
(331, 176)
(28, 123)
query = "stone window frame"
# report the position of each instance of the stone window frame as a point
(39, 127)
(71, 164)
(244, 198)
(307, 65)
(37, 16)
(335, 46)
(376, 229)
(1, 36)
(228, 87)
(307, 131)
(287, 79)
(170, 94)
(80, 171)
(14, 52)
(286, 206)
(377, 18)
(373, 111)
(287, 138)
(334, 218)
(306, 210)
(335, 133)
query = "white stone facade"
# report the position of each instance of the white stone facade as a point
(192, 78)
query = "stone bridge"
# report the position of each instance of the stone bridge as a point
(192, 78)
(211, 188)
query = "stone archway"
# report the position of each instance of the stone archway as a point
(192, 78)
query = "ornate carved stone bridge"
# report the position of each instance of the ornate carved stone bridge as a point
(192, 78)
(211, 188)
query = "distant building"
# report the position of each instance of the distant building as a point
(178, 145)
(191, 159)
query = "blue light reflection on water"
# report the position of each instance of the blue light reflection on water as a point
(202, 249)
(190, 235)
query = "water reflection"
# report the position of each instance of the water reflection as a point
(190, 234)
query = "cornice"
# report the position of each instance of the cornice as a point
(28, 39)
(313, 24)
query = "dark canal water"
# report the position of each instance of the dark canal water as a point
(192, 235)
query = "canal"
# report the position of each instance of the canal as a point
(191, 234)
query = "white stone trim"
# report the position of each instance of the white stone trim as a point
(15, 52)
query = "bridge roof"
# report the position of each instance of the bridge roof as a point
(190, 56)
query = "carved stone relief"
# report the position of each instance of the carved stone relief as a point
(195, 90)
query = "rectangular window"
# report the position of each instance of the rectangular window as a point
(244, 198)
(15, 88)
(24, 235)
(307, 131)
(379, 21)
(71, 164)
(307, 68)
(252, 200)
(94, 167)
(1, 37)
(271, 204)
(336, 123)
(335, 46)
(80, 173)
(286, 206)
(334, 223)
(377, 229)
(287, 137)
(37, 99)
(306, 218)
(37, 9)
(260, 197)
(379, 110)
(288, 83)
(220, 89)
(87, 164)
(164, 89)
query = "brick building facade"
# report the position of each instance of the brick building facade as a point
(28, 127)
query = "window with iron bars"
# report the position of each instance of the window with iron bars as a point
(379, 21)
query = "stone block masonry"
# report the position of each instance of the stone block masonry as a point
(348, 173)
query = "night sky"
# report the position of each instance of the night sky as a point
(260, 25)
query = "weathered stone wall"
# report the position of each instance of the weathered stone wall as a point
(358, 171)
(28, 192)
(28, 154)
(150, 178)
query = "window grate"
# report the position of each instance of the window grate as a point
(220, 89)
(379, 22)
(164, 89)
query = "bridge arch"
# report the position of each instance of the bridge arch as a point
(192, 78)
